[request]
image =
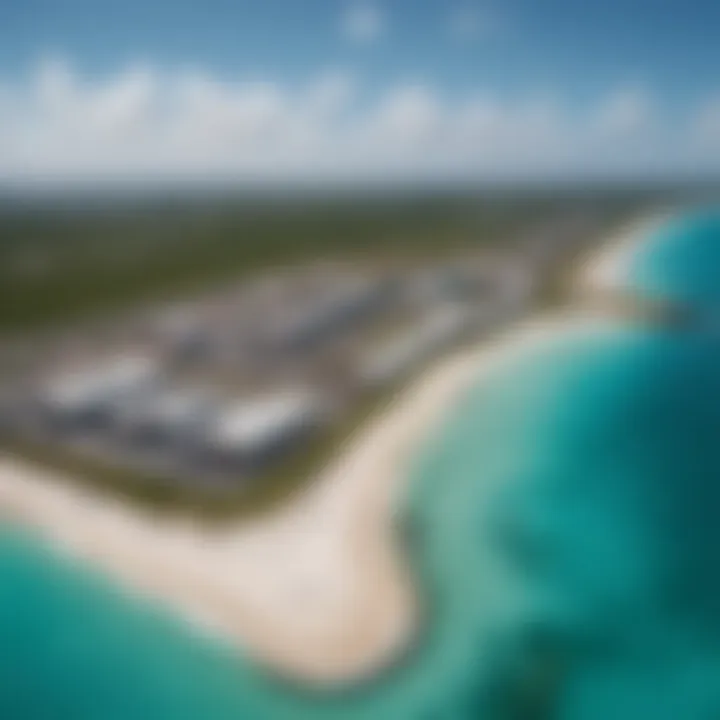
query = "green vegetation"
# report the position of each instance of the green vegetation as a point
(65, 262)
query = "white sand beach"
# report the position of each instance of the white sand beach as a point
(605, 270)
(319, 590)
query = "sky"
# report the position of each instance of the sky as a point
(357, 90)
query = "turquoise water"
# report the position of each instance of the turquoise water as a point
(680, 261)
(562, 524)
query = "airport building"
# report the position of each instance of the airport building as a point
(250, 433)
(320, 318)
(169, 417)
(87, 395)
(404, 352)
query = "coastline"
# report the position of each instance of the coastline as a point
(319, 591)
(603, 270)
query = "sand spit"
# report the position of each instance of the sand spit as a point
(318, 591)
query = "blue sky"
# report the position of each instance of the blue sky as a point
(635, 57)
(576, 45)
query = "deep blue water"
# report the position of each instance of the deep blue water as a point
(562, 524)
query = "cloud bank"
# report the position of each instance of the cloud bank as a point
(143, 123)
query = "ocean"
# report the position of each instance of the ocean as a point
(678, 261)
(561, 524)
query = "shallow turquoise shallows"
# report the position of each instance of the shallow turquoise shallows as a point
(562, 525)
(679, 262)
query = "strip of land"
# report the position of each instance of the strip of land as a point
(320, 591)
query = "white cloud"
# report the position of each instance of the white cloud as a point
(409, 115)
(363, 22)
(237, 115)
(625, 112)
(331, 93)
(144, 124)
(707, 123)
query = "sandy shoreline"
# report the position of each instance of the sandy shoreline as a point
(604, 270)
(319, 590)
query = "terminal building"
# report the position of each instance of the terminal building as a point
(87, 396)
(402, 354)
(169, 418)
(321, 318)
(249, 434)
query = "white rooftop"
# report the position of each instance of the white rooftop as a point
(106, 380)
(250, 424)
